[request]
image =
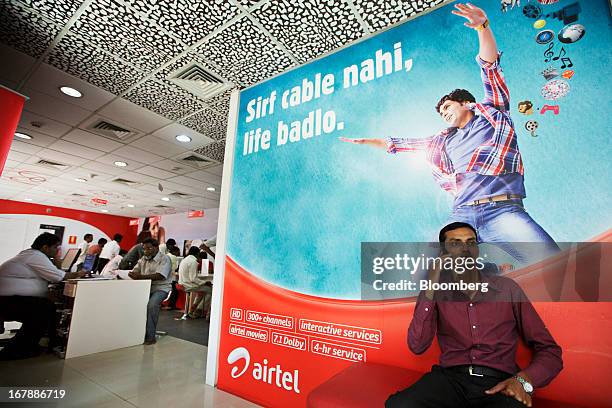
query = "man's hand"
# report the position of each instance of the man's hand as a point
(475, 16)
(434, 275)
(75, 275)
(379, 143)
(512, 388)
(134, 275)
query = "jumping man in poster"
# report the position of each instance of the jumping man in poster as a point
(477, 158)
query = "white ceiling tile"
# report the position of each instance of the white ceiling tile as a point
(218, 170)
(95, 166)
(187, 181)
(47, 79)
(38, 139)
(37, 169)
(90, 140)
(142, 178)
(9, 164)
(51, 107)
(155, 172)
(111, 158)
(48, 126)
(133, 153)
(173, 166)
(19, 66)
(133, 115)
(76, 149)
(158, 146)
(23, 147)
(170, 132)
(204, 176)
(17, 156)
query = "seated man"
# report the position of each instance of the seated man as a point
(130, 260)
(24, 281)
(478, 332)
(188, 278)
(154, 266)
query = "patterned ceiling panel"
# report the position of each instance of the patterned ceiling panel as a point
(188, 20)
(79, 58)
(164, 98)
(248, 3)
(24, 29)
(181, 62)
(59, 11)
(310, 28)
(244, 54)
(207, 123)
(118, 30)
(215, 150)
(220, 102)
(380, 14)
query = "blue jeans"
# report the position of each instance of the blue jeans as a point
(506, 223)
(153, 306)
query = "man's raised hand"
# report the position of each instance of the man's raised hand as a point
(475, 16)
(379, 143)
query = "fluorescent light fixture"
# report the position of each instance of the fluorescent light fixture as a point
(131, 205)
(50, 191)
(66, 90)
(210, 188)
(104, 210)
(120, 164)
(23, 135)
(165, 198)
(183, 138)
(28, 199)
(80, 180)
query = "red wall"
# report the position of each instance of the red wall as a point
(110, 224)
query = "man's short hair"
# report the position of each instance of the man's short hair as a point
(151, 241)
(118, 237)
(171, 242)
(88, 236)
(458, 95)
(102, 241)
(453, 226)
(194, 250)
(46, 238)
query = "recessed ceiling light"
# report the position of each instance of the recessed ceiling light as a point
(131, 205)
(28, 199)
(80, 180)
(50, 191)
(165, 198)
(210, 188)
(104, 210)
(23, 136)
(66, 90)
(120, 164)
(183, 138)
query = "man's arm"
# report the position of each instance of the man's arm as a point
(423, 326)
(495, 88)
(394, 144)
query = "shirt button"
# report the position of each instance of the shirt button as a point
(427, 309)
(471, 305)
(473, 327)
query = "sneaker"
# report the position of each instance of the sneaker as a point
(149, 342)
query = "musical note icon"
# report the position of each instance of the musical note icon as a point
(549, 53)
(567, 63)
(561, 53)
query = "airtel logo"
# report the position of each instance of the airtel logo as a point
(262, 372)
(239, 353)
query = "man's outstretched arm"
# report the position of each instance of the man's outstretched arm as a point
(477, 19)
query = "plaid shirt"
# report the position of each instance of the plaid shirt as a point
(498, 156)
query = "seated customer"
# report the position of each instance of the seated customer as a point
(24, 281)
(188, 278)
(111, 267)
(154, 266)
(478, 333)
(173, 254)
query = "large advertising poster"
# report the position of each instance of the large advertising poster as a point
(363, 146)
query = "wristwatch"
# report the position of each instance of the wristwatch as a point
(483, 25)
(526, 384)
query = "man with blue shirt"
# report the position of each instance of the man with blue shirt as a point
(477, 158)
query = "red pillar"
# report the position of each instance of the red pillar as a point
(11, 104)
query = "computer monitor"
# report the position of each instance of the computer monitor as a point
(69, 258)
(89, 263)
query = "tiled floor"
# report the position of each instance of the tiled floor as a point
(168, 374)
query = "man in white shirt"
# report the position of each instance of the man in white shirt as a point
(154, 266)
(188, 279)
(113, 265)
(83, 246)
(109, 251)
(24, 281)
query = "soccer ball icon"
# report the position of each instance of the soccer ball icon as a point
(571, 33)
(532, 11)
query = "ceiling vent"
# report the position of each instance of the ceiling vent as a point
(195, 160)
(106, 128)
(125, 182)
(198, 80)
(78, 195)
(52, 164)
(176, 194)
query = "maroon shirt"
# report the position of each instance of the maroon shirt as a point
(485, 331)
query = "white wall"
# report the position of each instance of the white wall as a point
(18, 231)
